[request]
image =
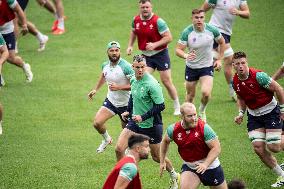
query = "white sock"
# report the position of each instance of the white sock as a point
(106, 136)
(39, 36)
(277, 169)
(61, 23)
(176, 104)
(202, 107)
(173, 174)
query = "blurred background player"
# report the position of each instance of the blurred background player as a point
(8, 9)
(116, 72)
(223, 16)
(58, 26)
(31, 27)
(153, 36)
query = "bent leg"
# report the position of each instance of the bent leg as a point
(122, 143)
(190, 90)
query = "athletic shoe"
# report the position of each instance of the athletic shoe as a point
(58, 31)
(2, 82)
(54, 25)
(42, 43)
(278, 183)
(103, 145)
(202, 115)
(174, 182)
(28, 72)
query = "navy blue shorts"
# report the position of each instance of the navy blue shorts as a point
(115, 110)
(10, 40)
(227, 40)
(155, 133)
(211, 177)
(271, 120)
(23, 3)
(195, 74)
(160, 61)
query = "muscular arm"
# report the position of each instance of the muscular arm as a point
(279, 73)
(221, 43)
(100, 82)
(206, 7)
(21, 15)
(278, 90)
(166, 39)
(215, 150)
(121, 183)
(180, 48)
(244, 11)
(132, 38)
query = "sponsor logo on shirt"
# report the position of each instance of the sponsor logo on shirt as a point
(137, 26)
(151, 26)
(196, 134)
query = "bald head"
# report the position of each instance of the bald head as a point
(187, 107)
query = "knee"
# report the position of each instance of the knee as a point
(119, 149)
(275, 148)
(259, 150)
(96, 124)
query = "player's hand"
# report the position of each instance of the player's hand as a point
(91, 94)
(113, 87)
(239, 119)
(137, 118)
(129, 50)
(201, 167)
(24, 30)
(162, 168)
(150, 46)
(125, 115)
(191, 56)
(234, 11)
(217, 65)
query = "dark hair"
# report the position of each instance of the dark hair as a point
(197, 11)
(136, 139)
(139, 58)
(239, 54)
(236, 184)
(144, 1)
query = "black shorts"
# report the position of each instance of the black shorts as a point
(195, 74)
(227, 40)
(211, 177)
(10, 40)
(271, 120)
(114, 109)
(160, 61)
(155, 133)
(23, 3)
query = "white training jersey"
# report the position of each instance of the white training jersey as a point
(221, 17)
(119, 74)
(201, 43)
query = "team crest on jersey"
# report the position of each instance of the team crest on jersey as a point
(179, 136)
(194, 40)
(196, 134)
(151, 26)
(137, 26)
(224, 2)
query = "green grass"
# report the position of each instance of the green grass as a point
(48, 139)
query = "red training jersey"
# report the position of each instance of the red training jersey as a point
(254, 95)
(6, 13)
(147, 31)
(191, 143)
(112, 177)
